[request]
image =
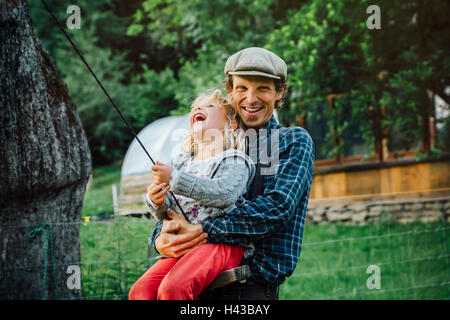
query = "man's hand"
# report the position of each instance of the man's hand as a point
(161, 172)
(178, 236)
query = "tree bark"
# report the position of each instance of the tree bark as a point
(44, 165)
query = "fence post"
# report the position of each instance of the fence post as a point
(114, 198)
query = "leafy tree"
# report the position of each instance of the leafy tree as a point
(321, 44)
(204, 34)
(155, 56)
(143, 95)
(329, 50)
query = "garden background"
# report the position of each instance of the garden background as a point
(352, 88)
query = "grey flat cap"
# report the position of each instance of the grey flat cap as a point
(256, 62)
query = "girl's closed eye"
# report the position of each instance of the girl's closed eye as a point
(211, 114)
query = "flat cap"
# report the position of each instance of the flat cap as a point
(256, 62)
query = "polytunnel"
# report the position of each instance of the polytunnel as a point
(162, 139)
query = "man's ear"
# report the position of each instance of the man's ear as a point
(228, 88)
(234, 124)
(280, 94)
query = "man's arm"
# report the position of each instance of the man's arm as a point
(271, 211)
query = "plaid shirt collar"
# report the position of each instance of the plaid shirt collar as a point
(271, 124)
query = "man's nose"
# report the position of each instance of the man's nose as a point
(251, 96)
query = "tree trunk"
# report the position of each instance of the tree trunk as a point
(44, 165)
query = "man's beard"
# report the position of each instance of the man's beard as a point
(252, 118)
(256, 104)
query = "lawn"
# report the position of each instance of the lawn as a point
(114, 254)
(412, 258)
(98, 196)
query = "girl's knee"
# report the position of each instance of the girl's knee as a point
(172, 290)
(133, 293)
(140, 291)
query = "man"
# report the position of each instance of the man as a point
(273, 218)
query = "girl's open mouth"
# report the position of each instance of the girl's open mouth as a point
(198, 117)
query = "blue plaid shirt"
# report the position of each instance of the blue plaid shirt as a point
(273, 221)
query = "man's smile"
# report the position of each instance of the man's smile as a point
(252, 111)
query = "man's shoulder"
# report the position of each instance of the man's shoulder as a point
(296, 135)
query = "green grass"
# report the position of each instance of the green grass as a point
(98, 197)
(413, 261)
(413, 258)
(114, 254)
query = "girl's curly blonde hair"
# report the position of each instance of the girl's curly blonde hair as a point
(232, 139)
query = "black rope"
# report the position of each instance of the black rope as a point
(106, 93)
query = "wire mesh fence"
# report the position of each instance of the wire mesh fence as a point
(376, 261)
(114, 254)
(382, 259)
(410, 259)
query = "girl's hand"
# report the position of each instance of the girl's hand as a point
(158, 193)
(161, 172)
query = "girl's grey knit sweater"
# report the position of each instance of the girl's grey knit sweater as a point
(229, 177)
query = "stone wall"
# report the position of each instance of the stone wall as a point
(403, 212)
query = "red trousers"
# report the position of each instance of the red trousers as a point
(186, 277)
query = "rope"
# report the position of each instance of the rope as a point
(32, 234)
(106, 93)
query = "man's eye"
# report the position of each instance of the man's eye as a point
(210, 106)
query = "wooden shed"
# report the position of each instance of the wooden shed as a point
(374, 181)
